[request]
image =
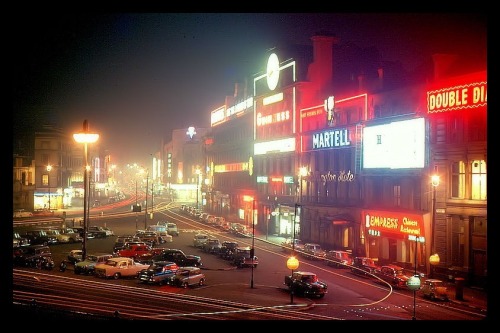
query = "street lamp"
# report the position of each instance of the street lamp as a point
(146, 210)
(85, 137)
(49, 168)
(434, 258)
(252, 252)
(413, 282)
(293, 263)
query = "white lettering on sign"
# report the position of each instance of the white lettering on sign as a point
(330, 139)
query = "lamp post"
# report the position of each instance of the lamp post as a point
(293, 263)
(302, 173)
(85, 137)
(136, 207)
(413, 282)
(49, 168)
(434, 258)
(252, 252)
(146, 210)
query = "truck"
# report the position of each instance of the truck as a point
(306, 284)
(119, 267)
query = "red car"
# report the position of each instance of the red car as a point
(133, 251)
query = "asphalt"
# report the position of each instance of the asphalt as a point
(473, 297)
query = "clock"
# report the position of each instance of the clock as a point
(273, 71)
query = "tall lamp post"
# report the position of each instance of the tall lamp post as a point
(434, 258)
(413, 282)
(85, 137)
(293, 263)
(252, 252)
(147, 189)
(49, 168)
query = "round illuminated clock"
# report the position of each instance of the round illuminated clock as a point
(273, 71)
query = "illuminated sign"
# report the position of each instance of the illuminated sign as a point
(331, 139)
(466, 96)
(262, 179)
(288, 180)
(191, 132)
(272, 99)
(272, 118)
(330, 177)
(397, 145)
(397, 224)
(277, 146)
(231, 167)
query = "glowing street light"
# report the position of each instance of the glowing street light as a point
(49, 168)
(85, 137)
(434, 258)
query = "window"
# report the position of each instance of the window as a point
(458, 180)
(478, 181)
(397, 195)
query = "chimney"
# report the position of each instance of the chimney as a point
(442, 63)
(320, 72)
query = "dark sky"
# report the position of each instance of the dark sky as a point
(136, 77)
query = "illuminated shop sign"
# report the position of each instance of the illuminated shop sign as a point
(272, 118)
(460, 97)
(231, 167)
(330, 177)
(397, 145)
(396, 224)
(223, 114)
(262, 180)
(276, 146)
(288, 180)
(327, 114)
(327, 139)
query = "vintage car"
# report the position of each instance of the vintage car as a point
(363, 266)
(200, 239)
(147, 258)
(392, 274)
(227, 250)
(434, 289)
(188, 276)
(22, 213)
(158, 272)
(212, 245)
(338, 258)
(74, 256)
(306, 284)
(119, 267)
(87, 266)
(133, 250)
(313, 251)
(244, 257)
(179, 257)
(290, 244)
(35, 256)
(17, 240)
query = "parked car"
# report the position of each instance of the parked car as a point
(434, 289)
(133, 250)
(98, 232)
(34, 256)
(244, 257)
(306, 284)
(39, 237)
(188, 276)
(338, 258)
(200, 239)
(313, 251)
(227, 250)
(158, 272)
(43, 212)
(147, 258)
(20, 241)
(363, 266)
(179, 257)
(392, 274)
(87, 266)
(288, 244)
(212, 245)
(172, 229)
(22, 213)
(74, 256)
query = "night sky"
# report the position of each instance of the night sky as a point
(136, 77)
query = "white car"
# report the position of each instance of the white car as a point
(200, 239)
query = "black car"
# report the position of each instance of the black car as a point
(244, 257)
(39, 237)
(227, 250)
(34, 256)
(179, 258)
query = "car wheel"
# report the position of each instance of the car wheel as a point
(116, 276)
(201, 283)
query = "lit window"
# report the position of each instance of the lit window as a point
(458, 180)
(478, 184)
